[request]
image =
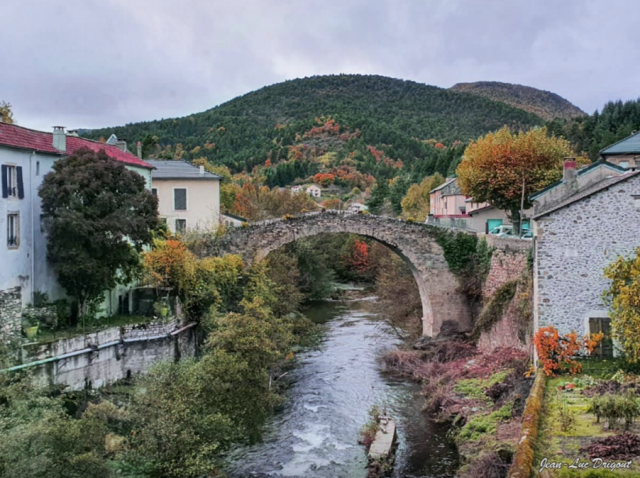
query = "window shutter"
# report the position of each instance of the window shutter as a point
(180, 199)
(20, 183)
(5, 192)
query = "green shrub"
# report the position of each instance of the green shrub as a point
(614, 408)
(481, 425)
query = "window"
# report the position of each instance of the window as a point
(181, 225)
(12, 182)
(180, 199)
(154, 191)
(13, 230)
(37, 168)
(605, 346)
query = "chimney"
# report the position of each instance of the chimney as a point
(201, 170)
(139, 145)
(570, 175)
(59, 139)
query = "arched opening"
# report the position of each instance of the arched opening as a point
(443, 304)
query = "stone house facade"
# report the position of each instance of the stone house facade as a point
(575, 239)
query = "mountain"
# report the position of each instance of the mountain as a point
(345, 125)
(545, 104)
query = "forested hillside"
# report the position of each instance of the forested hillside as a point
(545, 104)
(354, 127)
(590, 134)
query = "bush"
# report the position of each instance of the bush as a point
(557, 353)
(614, 408)
(617, 447)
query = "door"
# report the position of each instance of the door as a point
(493, 223)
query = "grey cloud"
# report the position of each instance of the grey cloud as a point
(91, 63)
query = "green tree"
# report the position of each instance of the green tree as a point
(398, 190)
(505, 168)
(379, 195)
(99, 216)
(6, 113)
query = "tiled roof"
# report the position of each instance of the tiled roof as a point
(596, 188)
(446, 183)
(628, 145)
(172, 169)
(42, 142)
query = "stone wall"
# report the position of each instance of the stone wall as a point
(508, 263)
(573, 246)
(101, 358)
(509, 331)
(10, 313)
(506, 266)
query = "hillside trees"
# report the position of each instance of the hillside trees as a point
(98, 215)
(379, 195)
(505, 168)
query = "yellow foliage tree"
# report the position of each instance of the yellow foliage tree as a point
(623, 296)
(6, 113)
(416, 203)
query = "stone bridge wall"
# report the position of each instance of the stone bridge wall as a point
(416, 243)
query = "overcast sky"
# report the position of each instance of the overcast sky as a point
(93, 63)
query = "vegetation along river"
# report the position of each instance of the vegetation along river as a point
(333, 388)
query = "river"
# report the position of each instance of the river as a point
(333, 388)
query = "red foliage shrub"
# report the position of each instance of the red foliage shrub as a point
(617, 447)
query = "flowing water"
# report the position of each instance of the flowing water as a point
(333, 388)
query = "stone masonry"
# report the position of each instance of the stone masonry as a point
(573, 246)
(10, 313)
(415, 243)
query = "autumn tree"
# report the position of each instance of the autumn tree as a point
(416, 203)
(6, 113)
(256, 202)
(505, 168)
(623, 296)
(99, 216)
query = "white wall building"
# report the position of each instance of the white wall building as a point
(26, 156)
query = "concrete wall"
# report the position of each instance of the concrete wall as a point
(203, 202)
(573, 246)
(114, 353)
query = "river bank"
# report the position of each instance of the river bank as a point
(330, 394)
(479, 396)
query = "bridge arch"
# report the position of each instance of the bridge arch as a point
(442, 300)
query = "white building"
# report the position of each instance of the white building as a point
(188, 196)
(26, 156)
(296, 189)
(357, 207)
(314, 191)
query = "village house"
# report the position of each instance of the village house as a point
(231, 220)
(625, 153)
(357, 207)
(296, 189)
(26, 156)
(581, 224)
(448, 207)
(188, 196)
(314, 191)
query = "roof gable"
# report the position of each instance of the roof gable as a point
(14, 136)
(590, 191)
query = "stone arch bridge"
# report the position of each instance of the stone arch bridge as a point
(442, 301)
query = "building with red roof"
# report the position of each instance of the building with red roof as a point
(26, 156)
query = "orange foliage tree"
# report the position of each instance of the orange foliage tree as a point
(505, 168)
(557, 353)
(324, 179)
(359, 259)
